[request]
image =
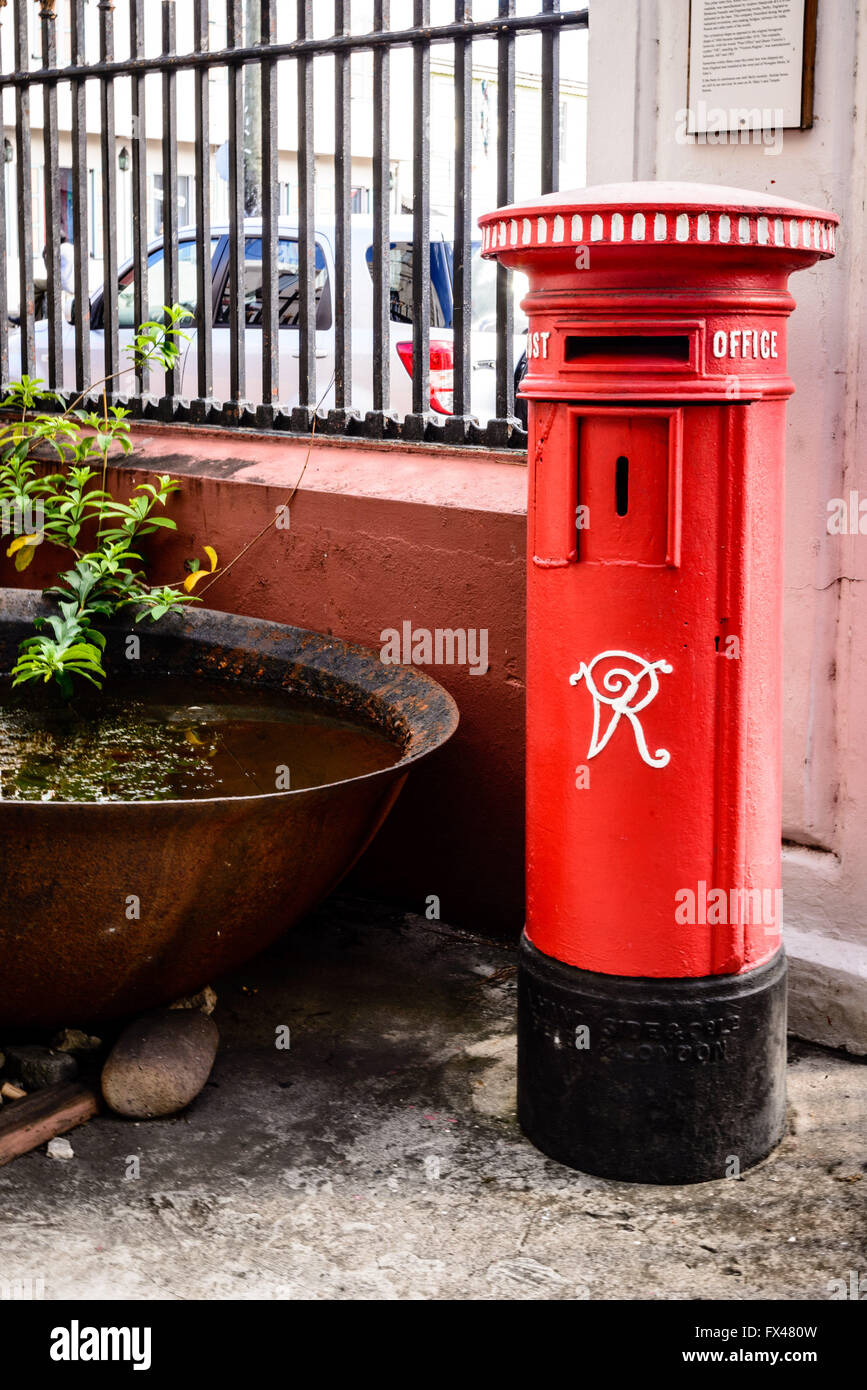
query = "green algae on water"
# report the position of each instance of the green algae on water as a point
(165, 740)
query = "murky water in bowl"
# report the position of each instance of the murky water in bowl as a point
(164, 740)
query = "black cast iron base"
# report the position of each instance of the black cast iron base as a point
(651, 1080)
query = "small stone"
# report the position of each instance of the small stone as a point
(35, 1067)
(73, 1040)
(10, 1092)
(60, 1148)
(160, 1063)
(205, 1001)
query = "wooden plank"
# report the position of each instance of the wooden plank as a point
(808, 76)
(25, 1124)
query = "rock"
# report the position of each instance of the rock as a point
(60, 1148)
(10, 1092)
(73, 1040)
(205, 1001)
(36, 1067)
(493, 1092)
(160, 1063)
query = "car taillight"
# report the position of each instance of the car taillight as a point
(442, 376)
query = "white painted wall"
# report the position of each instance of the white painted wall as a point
(637, 85)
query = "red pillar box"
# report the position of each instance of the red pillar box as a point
(652, 982)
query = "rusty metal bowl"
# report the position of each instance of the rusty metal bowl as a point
(217, 879)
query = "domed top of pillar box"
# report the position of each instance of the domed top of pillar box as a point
(641, 233)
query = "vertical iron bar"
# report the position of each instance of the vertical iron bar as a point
(79, 203)
(26, 300)
(342, 211)
(270, 192)
(109, 200)
(306, 225)
(550, 96)
(51, 164)
(421, 278)
(204, 284)
(381, 212)
(170, 188)
(505, 194)
(237, 240)
(462, 255)
(139, 185)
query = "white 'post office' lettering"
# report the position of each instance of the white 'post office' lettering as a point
(745, 342)
(537, 344)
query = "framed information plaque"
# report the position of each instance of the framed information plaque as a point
(751, 64)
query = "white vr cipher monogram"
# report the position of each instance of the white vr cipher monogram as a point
(621, 692)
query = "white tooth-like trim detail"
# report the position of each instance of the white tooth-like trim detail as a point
(759, 230)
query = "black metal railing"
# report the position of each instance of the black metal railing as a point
(254, 403)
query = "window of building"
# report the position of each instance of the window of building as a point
(185, 199)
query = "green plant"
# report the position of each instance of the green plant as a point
(72, 509)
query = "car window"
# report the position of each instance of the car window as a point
(188, 293)
(400, 283)
(483, 294)
(287, 286)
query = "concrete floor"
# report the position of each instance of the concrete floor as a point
(379, 1158)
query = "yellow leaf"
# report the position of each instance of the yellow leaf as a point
(194, 738)
(24, 548)
(23, 558)
(192, 579)
(21, 541)
(212, 556)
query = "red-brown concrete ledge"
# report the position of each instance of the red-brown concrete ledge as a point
(382, 534)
